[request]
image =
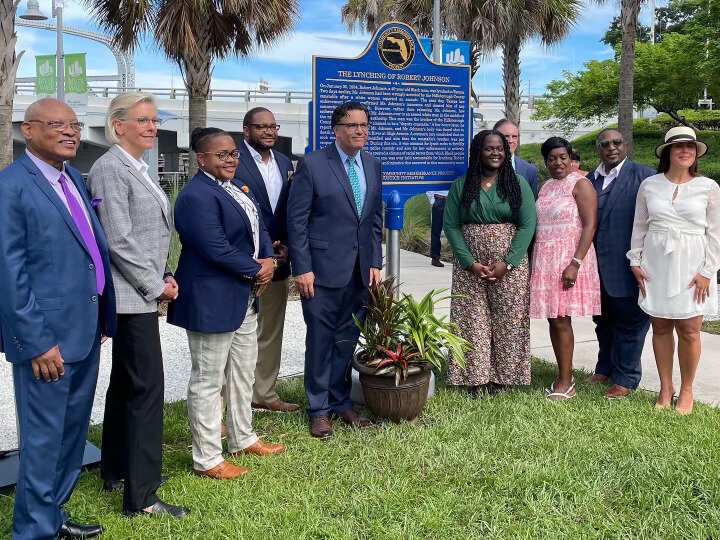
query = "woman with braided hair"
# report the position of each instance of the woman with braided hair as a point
(489, 222)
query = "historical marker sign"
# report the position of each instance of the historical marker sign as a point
(419, 110)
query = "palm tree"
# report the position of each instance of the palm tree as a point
(629, 11)
(9, 62)
(194, 33)
(486, 24)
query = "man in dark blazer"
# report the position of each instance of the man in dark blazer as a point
(527, 170)
(334, 238)
(56, 301)
(266, 172)
(622, 327)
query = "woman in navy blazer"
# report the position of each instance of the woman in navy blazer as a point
(225, 264)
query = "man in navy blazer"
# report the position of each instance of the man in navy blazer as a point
(266, 172)
(527, 170)
(56, 300)
(622, 326)
(335, 235)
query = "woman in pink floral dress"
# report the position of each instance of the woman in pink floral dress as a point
(564, 281)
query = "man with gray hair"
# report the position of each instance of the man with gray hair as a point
(56, 301)
(511, 131)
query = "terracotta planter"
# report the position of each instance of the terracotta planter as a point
(390, 402)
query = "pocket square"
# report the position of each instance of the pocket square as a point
(95, 203)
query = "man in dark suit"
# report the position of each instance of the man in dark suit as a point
(266, 172)
(527, 170)
(56, 301)
(622, 327)
(334, 236)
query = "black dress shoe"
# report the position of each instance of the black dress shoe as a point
(119, 485)
(73, 530)
(161, 509)
(437, 262)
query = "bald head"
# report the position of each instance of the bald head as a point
(52, 131)
(46, 105)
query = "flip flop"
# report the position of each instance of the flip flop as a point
(551, 395)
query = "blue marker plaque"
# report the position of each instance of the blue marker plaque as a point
(419, 110)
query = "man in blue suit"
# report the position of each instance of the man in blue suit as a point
(56, 301)
(335, 235)
(266, 172)
(622, 327)
(527, 170)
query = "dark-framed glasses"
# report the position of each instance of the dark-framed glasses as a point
(617, 143)
(58, 125)
(354, 127)
(266, 127)
(145, 121)
(224, 154)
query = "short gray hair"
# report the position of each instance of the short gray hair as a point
(119, 107)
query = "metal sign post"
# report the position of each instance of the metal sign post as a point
(394, 212)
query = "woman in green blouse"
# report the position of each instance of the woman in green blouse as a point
(489, 222)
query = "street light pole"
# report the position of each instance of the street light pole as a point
(58, 6)
(437, 37)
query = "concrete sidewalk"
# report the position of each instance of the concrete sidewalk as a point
(418, 277)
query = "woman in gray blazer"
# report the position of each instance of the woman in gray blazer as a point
(135, 214)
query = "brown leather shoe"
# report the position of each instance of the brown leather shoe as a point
(277, 406)
(597, 377)
(353, 419)
(320, 427)
(260, 448)
(617, 392)
(223, 471)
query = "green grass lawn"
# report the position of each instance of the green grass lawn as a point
(711, 327)
(510, 466)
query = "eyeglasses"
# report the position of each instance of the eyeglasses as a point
(266, 127)
(57, 125)
(617, 143)
(144, 121)
(354, 127)
(224, 154)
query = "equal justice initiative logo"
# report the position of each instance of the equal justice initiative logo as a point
(396, 48)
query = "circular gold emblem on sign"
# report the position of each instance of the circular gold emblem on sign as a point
(396, 48)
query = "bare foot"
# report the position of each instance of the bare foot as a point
(664, 398)
(684, 403)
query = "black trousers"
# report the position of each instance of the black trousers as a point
(133, 424)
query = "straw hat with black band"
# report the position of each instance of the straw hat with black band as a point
(682, 134)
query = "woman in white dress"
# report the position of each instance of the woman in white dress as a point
(675, 256)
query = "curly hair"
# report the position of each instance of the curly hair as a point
(508, 185)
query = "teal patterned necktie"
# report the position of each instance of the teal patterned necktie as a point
(354, 183)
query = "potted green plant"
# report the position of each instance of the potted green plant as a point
(401, 341)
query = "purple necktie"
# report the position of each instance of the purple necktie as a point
(83, 226)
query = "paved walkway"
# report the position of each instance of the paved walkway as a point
(417, 277)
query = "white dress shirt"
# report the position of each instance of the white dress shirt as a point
(143, 168)
(611, 175)
(270, 173)
(248, 207)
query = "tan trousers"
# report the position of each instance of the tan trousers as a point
(228, 357)
(271, 321)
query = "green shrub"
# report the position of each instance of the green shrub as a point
(702, 119)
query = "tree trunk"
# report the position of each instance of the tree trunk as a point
(629, 10)
(511, 79)
(8, 67)
(197, 74)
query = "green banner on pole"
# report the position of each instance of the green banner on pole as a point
(45, 79)
(75, 73)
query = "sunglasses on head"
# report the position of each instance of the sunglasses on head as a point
(617, 143)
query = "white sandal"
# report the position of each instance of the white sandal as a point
(552, 395)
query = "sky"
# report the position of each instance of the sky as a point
(287, 65)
